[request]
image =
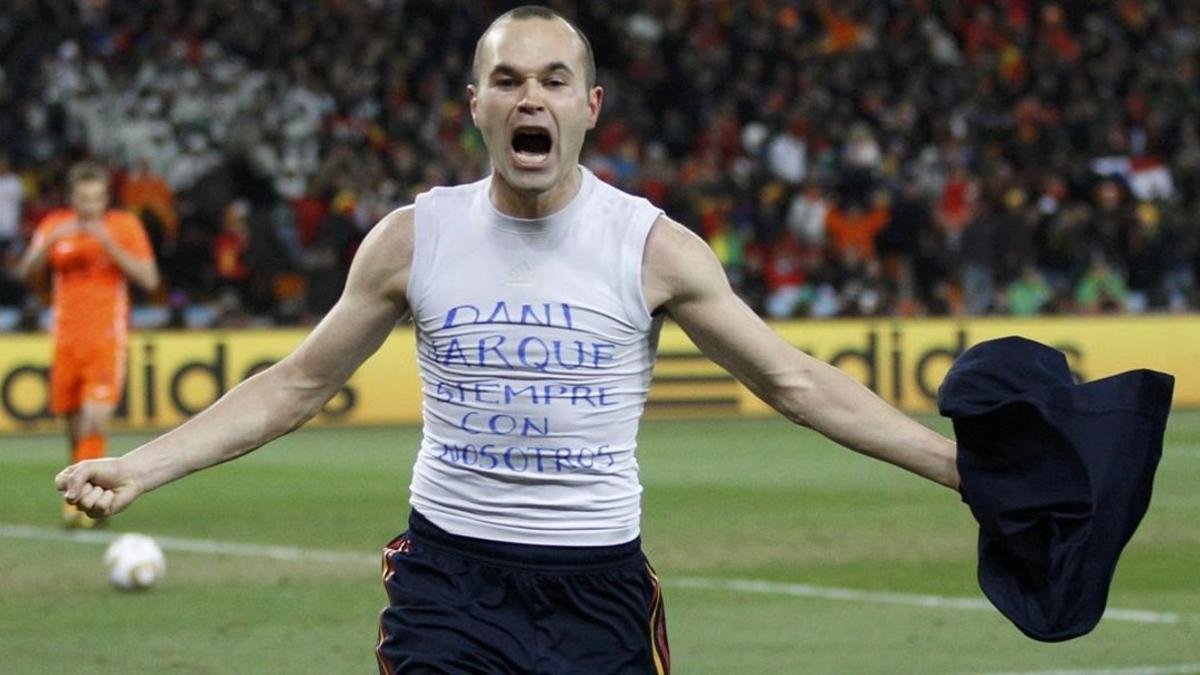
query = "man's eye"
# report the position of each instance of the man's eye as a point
(505, 82)
(555, 83)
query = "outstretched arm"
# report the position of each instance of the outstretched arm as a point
(275, 401)
(682, 276)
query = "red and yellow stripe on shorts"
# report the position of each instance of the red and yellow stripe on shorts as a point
(658, 626)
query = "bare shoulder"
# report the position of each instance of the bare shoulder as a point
(385, 257)
(393, 232)
(678, 265)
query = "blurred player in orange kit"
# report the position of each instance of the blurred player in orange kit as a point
(93, 252)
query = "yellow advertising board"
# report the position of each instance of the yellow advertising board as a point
(905, 360)
(171, 375)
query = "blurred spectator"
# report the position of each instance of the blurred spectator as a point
(859, 285)
(12, 195)
(229, 253)
(807, 213)
(1101, 289)
(149, 196)
(326, 255)
(861, 160)
(1110, 219)
(1018, 228)
(1028, 294)
(786, 277)
(143, 191)
(1063, 247)
(900, 244)
(786, 153)
(957, 206)
(851, 227)
(1147, 255)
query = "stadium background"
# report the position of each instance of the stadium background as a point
(891, 181)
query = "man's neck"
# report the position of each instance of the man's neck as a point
(525, 204)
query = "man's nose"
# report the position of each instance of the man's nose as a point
(531, 97)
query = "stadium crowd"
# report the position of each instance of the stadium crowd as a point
(854, 158)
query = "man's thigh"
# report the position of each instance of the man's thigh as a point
(103, 374)
(446, 614)
(611, 622)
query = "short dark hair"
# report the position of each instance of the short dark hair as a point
(539, 12)
(86, 171)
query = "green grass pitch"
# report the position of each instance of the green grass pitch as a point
(750, 500)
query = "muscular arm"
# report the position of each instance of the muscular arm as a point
(35, 256)
(144, 273)
(275, 401)
(682, 276)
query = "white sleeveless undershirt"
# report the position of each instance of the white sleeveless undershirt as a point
(535, 348)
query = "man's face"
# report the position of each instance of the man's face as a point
(532, 102)
(89, 198)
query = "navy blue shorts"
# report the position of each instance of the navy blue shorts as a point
(463, 605)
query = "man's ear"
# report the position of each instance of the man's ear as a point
(595, 102)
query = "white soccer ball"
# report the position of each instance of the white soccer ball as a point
(135, 562)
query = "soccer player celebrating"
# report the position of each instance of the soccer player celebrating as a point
(537, 293)
(93, 252)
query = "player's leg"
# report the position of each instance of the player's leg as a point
(448, 614)
(87, 429)
(73, 517)
(98, 386)
(66, 394)
(65, 402)
(604, 621)
(94, 419)
(73, 419)
(84, 388)
(103, 376)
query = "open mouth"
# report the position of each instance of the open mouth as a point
(531, 145)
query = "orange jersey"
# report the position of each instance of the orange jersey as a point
(91, 297)
(849, 231)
